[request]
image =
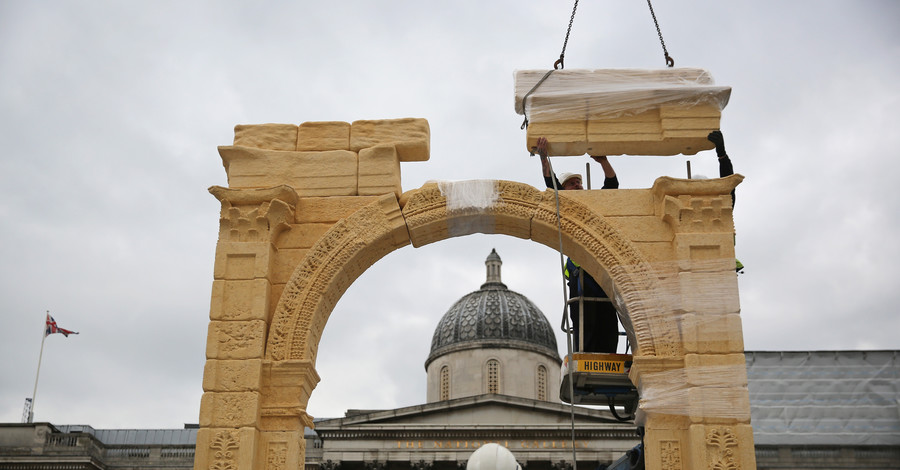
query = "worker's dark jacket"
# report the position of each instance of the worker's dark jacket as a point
(601, 333)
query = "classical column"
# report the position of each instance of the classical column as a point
(694, 404)
(232, 404)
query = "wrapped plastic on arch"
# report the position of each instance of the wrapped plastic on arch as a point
(620, 111)
(693, 302)
(473, 197)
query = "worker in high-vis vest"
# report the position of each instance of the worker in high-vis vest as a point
(601, 324)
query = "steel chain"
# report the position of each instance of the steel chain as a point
(669, 61)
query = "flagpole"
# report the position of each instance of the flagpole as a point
(40, 356)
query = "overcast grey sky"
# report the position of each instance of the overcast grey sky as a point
(110, 113)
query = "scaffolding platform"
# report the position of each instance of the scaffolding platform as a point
(599, 379)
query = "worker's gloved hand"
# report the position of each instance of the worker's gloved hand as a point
(718, 140)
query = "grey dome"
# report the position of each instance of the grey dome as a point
(493, 316)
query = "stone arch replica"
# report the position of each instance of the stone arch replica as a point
(309, 208)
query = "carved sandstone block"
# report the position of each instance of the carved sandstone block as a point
(303, 235)
(282, 450)
(710, 293)
(266, 136)
(565, 137)
(289, 384)
(635, 112)
(621, 202)
(705, 252)
(712, 334)
(225, 448)
(243, 260)
(717, 370)
(661, 252)
(722, 446)
(232, 375)
(323, 135)
(646, 228)
(411, 137)
(329, 173)
(229, 409)
(240, 300)
(329, 210)
(236, 339)
(379, 171)
(451, 209)
(286, 261)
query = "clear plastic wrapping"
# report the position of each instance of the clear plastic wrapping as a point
(620, 112)
(686, 310)
(470, 194)
(472, 197)
(611, 93)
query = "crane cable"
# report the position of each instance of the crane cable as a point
(559, 64)
(669, 60)
(565, 323)
(562, 54)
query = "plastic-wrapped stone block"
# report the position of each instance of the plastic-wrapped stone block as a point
(620, 111)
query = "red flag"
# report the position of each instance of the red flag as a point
(52, 328)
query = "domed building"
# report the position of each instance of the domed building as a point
(493, 340)
(493, 375)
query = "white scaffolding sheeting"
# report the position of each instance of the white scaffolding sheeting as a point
(825, 397)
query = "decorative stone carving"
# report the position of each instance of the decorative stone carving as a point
(722, 445)
(670, 455)
(254, 215)
(236, 339)
(287, 386)
(224, 446)
(276, 456)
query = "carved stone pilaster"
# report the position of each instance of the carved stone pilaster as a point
(699, 206)
(254, 215)
(287, 386)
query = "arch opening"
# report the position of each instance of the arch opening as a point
(429, 215)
